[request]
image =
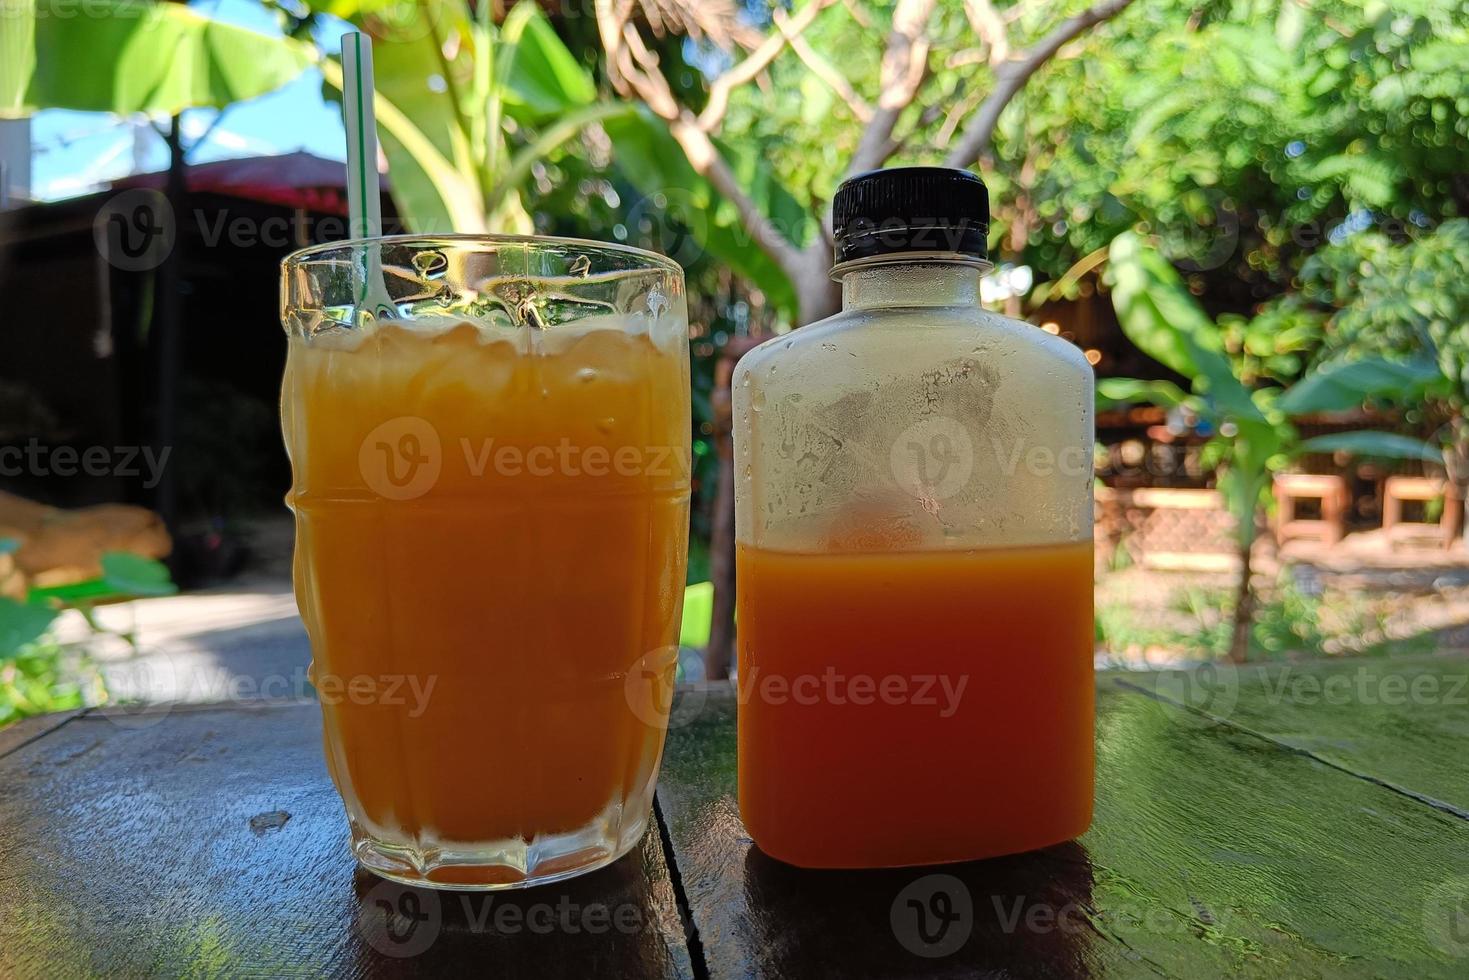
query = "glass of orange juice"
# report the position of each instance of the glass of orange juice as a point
(489, 439)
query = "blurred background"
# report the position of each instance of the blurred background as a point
(1249, 215)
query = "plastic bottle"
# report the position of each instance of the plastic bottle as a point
(914, 533)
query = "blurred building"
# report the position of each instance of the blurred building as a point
(144, 319)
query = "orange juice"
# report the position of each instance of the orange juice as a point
(913, 708)
(491, 537)
(913, 510)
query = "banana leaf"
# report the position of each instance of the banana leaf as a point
(129, 56)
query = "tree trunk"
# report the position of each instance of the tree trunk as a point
(819, 299)
(1244, 607)
(1456, 490)
(1020, 228)
(1454, 503)
(165, 339)
(817, 295)
(720, 652)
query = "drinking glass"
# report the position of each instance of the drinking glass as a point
(489, 441)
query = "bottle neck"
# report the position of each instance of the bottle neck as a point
(893, 280)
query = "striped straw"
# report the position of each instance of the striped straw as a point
(363, 205)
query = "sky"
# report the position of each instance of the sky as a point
(74, 153)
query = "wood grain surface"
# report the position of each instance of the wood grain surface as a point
(1249, 824)
(1402, 721)
(1216, 852)
(210, 842)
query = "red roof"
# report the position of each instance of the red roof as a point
(298, 180)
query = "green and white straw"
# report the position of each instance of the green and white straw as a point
(364, 206)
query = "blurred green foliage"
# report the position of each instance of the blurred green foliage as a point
(37, 673)
(1264, 123)
(1234, 392)
(1253, 428)
(1289, 622)
(1400, 299)
(1244, 135)
(1277, 343)
(126, 56)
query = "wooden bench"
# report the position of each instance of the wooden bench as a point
(1397, 490)
(1290, 488)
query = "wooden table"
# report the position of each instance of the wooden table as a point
(1303, 821)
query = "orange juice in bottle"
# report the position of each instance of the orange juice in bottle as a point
(913, 518)
(491, 486)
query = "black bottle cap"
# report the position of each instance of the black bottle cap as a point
(911, 209)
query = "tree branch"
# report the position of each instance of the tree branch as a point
(904, 63)
(706, 159)
(634, 70)
(755, 63)
(1011, 76)
(990, 26)
(956, 114)
(1012, 14)
(612, 17)
(822, 68)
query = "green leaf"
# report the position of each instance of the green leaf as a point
(440, 118)
(1156, 312)
(763, 185)
(548, 139)
(91, 591)
(1338, 387)
(698, 614)
(1245, 479)
(545, 78)
(1385, 445)
(127, 56)
(135, 575)
(1368, 180)
(22, 623)
(1128, 391)
(17, 53)
(432, 165)
(1165, 322)
(431, 192)
(651, 159)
